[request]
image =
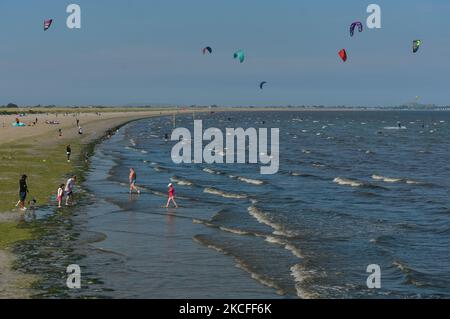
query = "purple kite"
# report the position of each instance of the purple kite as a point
(47, 24)
(354, 25)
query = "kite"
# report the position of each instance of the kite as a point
(207, 49)
(239, 55)
(343, 55)
(261, 85)
(47, 24)
(354, 25)
(416, 45)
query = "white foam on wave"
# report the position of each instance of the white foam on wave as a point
(260, 278)
(234, 231)
(181, 181)
(394, 128)
(265, 219)
(386, 179)
(264, 280)
(394, 180)
(348, 182)
(218, 192)
(288, 246)
(301, 276)
(248, 180)
(211, 171)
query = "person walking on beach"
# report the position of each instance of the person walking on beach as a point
(23, 191)
(60, 195)
(132, 179)
(68, 152)
(78, 122)
(60, 132)
(69, 189)
(171, 196)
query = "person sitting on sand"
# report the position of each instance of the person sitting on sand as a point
(171, 196)
(69, 190)
(132, 179)
(60, 195)
(23, 191)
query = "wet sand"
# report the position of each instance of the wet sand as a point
(13, 284)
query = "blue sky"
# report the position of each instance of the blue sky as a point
(147, 51)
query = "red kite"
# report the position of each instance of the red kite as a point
(343, 55)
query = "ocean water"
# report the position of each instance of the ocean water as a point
(353, 190)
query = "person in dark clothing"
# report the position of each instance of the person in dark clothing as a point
(23, 191)
(68, 152)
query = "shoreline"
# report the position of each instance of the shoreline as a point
(17, 285)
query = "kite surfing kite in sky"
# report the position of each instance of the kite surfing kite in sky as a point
(239, 55)
(416, 45)
(354, 25)
(207, 49)
(47, 24)
(261, 85)
(343, 55)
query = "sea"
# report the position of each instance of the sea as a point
(354, 190)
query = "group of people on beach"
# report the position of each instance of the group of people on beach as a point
(64, 190)
(133, 187)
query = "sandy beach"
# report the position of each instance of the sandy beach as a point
(35, 137)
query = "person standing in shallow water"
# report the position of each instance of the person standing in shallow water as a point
(171, 196)
(69, 190)
(23, 191)
(60, 195)
(132, 178)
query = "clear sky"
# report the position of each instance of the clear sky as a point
(149, 51)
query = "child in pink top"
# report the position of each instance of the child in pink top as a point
(60, 195)
(171, 196)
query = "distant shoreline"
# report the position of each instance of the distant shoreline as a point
(71, 110)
